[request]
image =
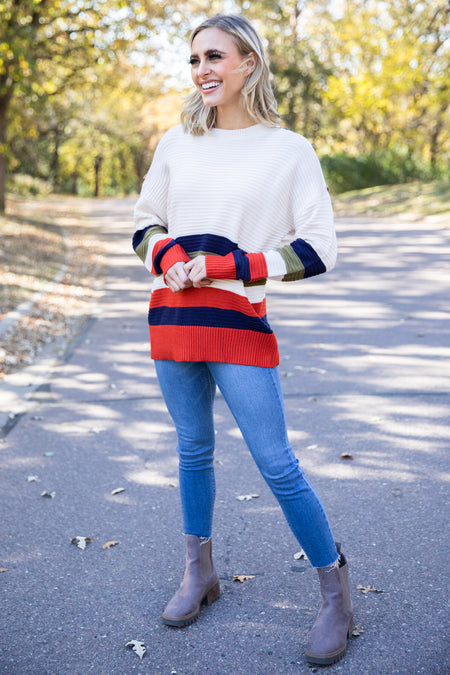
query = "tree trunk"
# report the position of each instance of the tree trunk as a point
(4, 103)
(97, 166)
(434, 140)
(54, 164)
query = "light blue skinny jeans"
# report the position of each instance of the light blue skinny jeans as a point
(254, 397)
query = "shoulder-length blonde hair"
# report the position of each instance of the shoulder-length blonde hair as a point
(259, 101)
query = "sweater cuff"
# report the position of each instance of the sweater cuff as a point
(174, 254)
(220, 267)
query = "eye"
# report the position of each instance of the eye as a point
(193, 61)
(215, 56)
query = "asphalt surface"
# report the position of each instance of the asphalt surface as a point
(365, 370)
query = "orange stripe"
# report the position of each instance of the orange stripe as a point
(258, 266)
(156, 249)
(227, 345)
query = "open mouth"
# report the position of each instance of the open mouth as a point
(210, 86)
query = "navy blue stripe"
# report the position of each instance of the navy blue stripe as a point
(211, 243)
(242, 265)
(206, 316)
(139, 235)
(310, 260)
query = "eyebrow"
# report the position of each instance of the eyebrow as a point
(209, 52)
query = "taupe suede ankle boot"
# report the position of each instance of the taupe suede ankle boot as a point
(200, 584)
(328, 638)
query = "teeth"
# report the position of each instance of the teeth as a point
(210, 85)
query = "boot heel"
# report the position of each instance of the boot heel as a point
(212, 594)
(350, 628)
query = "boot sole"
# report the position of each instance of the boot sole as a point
(210, 596)
(334, 657)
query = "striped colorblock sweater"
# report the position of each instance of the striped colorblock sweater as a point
(232, 195)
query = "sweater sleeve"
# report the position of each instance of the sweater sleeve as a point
(313, 249)
(151, 240)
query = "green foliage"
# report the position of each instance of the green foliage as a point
(24, 185)
(365, 80)
(344, 172)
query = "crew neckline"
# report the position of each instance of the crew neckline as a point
(245, 131)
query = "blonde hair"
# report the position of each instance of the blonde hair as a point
(258, 99)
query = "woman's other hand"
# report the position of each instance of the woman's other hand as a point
(176, 278)
(196, 270)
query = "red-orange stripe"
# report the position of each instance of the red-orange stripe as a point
(156, 249)
(258, 266)
(200, 343)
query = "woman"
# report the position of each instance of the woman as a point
(222, 192)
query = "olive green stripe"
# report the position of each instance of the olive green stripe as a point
(294, 266)
(142, 248)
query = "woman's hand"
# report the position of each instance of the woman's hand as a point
(176, 278)
(196, 271)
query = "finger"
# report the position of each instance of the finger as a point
(197, 272)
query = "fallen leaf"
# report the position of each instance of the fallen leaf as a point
(48, 454)
(246, 498)
(243, 577)
(32, 479)
(110, 544)
(357, 630)
(81, 542)
(368, 589)
(3, 569)
(137, 646)
(50, 495)
(117, 491)
(347, 455)
(312, 447)
(300, 555)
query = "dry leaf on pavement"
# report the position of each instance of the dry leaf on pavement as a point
(3, 569)
(117, 491)
(81, 542)
(368, 589)
(137, 646)
(243, 577)
(357, 630)
(110, 544)
(347, 455)
(246, 498)
(50, 495)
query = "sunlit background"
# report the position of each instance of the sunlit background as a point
(88, 87)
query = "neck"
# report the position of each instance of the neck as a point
(233, 118)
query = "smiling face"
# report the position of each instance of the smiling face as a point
(219, 71)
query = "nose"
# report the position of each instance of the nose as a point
(203, 68)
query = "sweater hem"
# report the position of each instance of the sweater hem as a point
(224, 345)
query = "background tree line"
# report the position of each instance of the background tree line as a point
(86, 87)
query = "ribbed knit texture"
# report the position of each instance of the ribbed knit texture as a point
(232, 195)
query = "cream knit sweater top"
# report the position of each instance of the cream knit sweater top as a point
(234, 196)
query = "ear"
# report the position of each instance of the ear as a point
(250, 63)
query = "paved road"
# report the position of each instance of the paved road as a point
(365, 369)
